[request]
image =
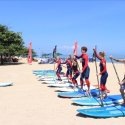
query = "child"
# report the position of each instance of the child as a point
(122, 83)
(85, 68)
(103, 72)
(68, 62)
(58, 68)
(76, 72)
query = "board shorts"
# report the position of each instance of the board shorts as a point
(59, 70)
(85, 74)
(104, 77)
(69, 72)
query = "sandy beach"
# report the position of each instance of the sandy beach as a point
(28, 102)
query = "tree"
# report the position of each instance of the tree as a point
(11, 43)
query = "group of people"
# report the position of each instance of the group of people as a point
(73, 68)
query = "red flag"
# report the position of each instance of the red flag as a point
(75, 48)
(30, 53)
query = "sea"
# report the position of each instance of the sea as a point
(117, 56)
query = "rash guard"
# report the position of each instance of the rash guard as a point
(68, 63)
(84, 61)
(102, 65)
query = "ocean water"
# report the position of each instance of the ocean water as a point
(117, 56)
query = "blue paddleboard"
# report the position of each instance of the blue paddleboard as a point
(93, 101)
(104, 112)
(43, 71)
(77, 94)
(71, 89)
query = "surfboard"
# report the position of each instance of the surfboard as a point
(66, 89)
(46, 79)
(54, 81)
(45, 74)
(104, 112)
(43, 71)
(77, 94)
(60, 85)
(51, 78)
(71, 89)
(93, 101)
(4, 84)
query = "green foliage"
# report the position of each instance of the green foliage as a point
(11, 43)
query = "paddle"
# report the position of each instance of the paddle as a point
(115, 71)
(98, 79)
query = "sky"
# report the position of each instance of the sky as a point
(47, 23)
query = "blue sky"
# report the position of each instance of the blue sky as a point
(59, 22)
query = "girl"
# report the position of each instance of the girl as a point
(76, 72)
(103, 72)
(58, 68)
(68, 62)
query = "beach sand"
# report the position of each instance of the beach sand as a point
(28, 102)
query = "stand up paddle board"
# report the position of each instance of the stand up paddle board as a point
(93, 101)
(104, 112)
(71, 89)
(77, 94)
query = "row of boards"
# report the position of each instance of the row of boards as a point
(114, 110)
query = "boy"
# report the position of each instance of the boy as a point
(76, 72)
(85, 68)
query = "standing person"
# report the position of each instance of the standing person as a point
(103, 72)
(58, 68)
(68, 62)
(122, 83)
(85, 68)
(76, 72)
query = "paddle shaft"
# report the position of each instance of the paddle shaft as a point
(98, 80)
(115, 71)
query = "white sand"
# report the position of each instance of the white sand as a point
(29, 102)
